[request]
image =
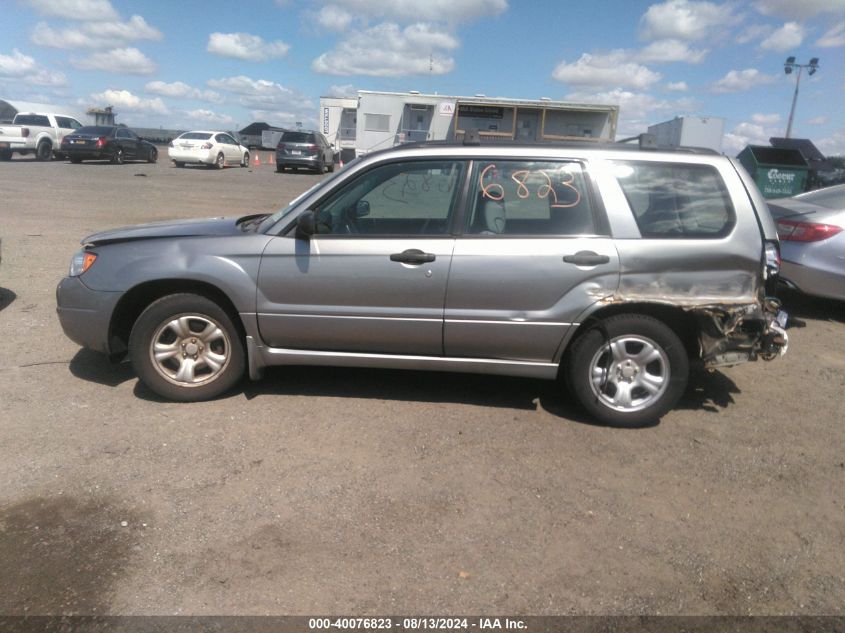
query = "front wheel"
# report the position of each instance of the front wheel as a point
(245, 161)
(628, 370)
(186, 348)
(153, 155)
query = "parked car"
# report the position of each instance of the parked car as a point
(615, 266)
(304, 149)
(38, 133)
(214, 149)
(810, 226)
(107, 142)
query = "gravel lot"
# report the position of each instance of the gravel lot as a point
(320, 491)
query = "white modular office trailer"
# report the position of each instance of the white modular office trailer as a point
(690, 131)
(385, 119)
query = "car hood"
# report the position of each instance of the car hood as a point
(177, 228)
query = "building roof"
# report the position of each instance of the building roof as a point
(255, 129)
(10, 107)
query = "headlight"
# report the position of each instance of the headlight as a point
(82, 261)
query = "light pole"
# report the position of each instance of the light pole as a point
(788, 67)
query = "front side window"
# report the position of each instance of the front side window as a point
(67, 123)
(676, 200)
(408, 198)
(529, 197)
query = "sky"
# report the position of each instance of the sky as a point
(222, 65)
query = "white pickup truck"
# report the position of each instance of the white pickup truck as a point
(35, 133)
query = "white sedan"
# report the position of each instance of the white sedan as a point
(209, 148)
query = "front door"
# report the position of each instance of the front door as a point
(373, 278)
(532, 258)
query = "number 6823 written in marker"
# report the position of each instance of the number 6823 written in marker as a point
(495, 191)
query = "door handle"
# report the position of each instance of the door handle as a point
(412, 256)
(586, 258)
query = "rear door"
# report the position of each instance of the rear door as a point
(373, 279)
(534, 255)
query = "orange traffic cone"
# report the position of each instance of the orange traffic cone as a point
(271, 160)
(257, 161)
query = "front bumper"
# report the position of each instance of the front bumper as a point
(85, 314)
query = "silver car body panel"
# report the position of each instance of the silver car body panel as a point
(491, 304)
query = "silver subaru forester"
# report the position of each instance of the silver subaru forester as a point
(610, 266)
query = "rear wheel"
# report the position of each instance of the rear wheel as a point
(280, 169)
(220, 163)
(117, 158)
(185, 347)
(44, 151)
(75, 160)
(5, 155)
(179, 163)
(628, 371)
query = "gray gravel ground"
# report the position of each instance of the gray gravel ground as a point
(344, 491)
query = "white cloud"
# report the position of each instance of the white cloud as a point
(799, 9)
(684, 20)
(765, 119)
(261, 94)
(667, 51)
(753, 32)
(207, 116)
(637, 110)
(833, 145)
(345, 90)
(833, 37)
(609, 70)
(123, 100)
(677, 86)
(16, 64)
(128, 61)
(95, 34)
(746, 134)
(25, 68)
(444, 11)
(787, 37)
(739, 80)
(180, 90)
(334, 18)
(245, 46)
(386, 50)
(75, 9)
(818, 120)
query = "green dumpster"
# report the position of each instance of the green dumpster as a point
(778, 172)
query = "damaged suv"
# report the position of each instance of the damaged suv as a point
(611, 266)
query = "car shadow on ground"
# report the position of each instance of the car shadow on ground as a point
(7, 298)
(97, 368)
(801, 306)
(708, 391)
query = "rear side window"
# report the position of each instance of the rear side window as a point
(32, 119)
(678, 201)
(529, 197)
(67, 123)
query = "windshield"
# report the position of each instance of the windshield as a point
(270, 220)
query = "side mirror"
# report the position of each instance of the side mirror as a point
(306, 226)
(362, 209)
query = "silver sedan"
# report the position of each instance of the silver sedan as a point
(811, 227)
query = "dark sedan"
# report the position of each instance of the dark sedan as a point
(107, 142)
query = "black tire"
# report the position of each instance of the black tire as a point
(245, 161)
(5, 155)
(75, 160)
(44, 151)
(644, 378)
(280, 169)
(165, 376)
(321, 168)
(152, 156)
(117, 157)
(179, 163)
(220, 163)
(331, 167)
